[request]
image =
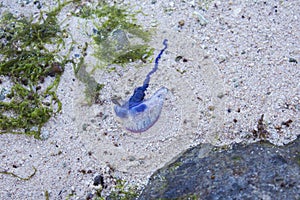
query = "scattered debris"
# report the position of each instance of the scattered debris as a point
(261, 131)
(17, 176)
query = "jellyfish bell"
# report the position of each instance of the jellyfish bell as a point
(144, 115)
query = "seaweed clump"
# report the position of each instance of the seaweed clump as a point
(30, 71)
(117, 36)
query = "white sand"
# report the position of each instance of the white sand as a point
(237, 68)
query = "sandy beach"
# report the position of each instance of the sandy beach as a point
(227, 64)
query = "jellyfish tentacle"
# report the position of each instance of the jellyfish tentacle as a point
(147, 80)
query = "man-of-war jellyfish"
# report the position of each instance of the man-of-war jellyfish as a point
(139, 114)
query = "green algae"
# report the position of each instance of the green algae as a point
(19, 177)
(175, 166)
(25, 64)
(92, 87)
(47, 196)
(118, 39)
(121, 191)
(124, 192)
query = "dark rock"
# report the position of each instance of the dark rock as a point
(256, 171)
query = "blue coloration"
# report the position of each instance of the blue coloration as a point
(137, 114)
(140, 108)
(139, 93)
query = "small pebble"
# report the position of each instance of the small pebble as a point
(44, 135)
(211, 108)
(220, 95)
(293, 60)
(236, 84)
(181, 23)
(222, 58)
(178, 58)
(38, 3)
(84, 126)
(98, 180)
(24, 81)
(56, 68)
(95, 31)
(2, 97)
(2, 94)
(131, 158)
(89, 196)
(202, 21)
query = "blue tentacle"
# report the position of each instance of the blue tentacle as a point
(139, 92)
